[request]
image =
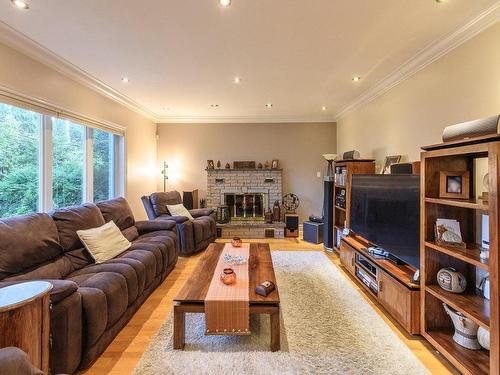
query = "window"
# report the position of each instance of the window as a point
(19, 160)
(68, 162)
(104, 165)
(48, 162)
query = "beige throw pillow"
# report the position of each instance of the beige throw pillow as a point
(179, 210)
(105, 242)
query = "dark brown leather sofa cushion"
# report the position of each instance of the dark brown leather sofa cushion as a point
(161, 199)
(13, 361)
(70, 219)
(119, 211)
(27, 241)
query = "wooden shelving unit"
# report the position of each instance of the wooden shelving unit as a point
(341, 215)
(436, 326)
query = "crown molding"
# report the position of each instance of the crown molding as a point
(425, 57)
(243, 119)
(36, 51)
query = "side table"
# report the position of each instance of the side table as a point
(25, 320)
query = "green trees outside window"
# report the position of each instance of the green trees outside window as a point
(19, 153)
(28, 175)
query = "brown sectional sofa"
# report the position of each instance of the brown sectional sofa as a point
(195, 235)
(90, 303)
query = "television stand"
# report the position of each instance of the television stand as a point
(389, 283)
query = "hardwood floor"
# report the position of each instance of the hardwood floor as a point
(122, 355)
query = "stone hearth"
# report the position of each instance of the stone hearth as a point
(266, 183)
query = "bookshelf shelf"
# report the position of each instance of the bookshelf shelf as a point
(344, 169)
(437, 326)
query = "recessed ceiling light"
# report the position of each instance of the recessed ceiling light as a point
(166, 108)
(356, 78)
(440, 1)
(224, 3)
(125, 79)
(214, 105)
(269, 105)
(237, 80)
(324, 108)
(20, 4)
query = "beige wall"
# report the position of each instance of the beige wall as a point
(186, 148)
(29, 77)
(463, 85)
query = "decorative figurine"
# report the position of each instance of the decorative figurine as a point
(266, 165)
(228, 166)
(259, 166)
(218, 164)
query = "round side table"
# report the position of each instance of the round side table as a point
(25, 320)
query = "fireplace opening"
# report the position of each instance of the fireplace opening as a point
(245, 206)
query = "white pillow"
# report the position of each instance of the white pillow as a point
(179, 210)
(105, 242)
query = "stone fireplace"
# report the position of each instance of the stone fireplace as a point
(248, 193)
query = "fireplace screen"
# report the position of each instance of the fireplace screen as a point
(245, 206)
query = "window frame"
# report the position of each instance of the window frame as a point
(46, 160)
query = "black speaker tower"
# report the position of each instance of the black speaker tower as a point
(328, 213)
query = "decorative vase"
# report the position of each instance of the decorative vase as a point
(276, 211)
(236, 242)
(268, 216)
(259, 166)
(483, 336)
(228, 166)
(465, 329)
(218, 164)
(228, 276)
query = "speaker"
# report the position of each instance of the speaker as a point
(328, 214)
(190, 199)
(402, 168)
(471, 129)
(351, 155)
(313, 232)
(291, 225)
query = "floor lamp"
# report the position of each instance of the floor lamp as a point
(164, 172)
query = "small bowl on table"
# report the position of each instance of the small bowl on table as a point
(228, 276)
(236, 242)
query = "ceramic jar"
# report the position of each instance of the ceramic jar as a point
(483, 336)
(236, 242)
(451, 280)
(228, 276)
(465, 329)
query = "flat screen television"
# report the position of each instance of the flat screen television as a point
(385, 210)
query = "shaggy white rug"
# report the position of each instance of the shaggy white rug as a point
(326, 328)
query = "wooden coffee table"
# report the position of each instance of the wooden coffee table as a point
(191, 298)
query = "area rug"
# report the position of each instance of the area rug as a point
(327, 327)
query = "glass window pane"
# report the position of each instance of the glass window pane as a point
(68, 160)
(103, 165)
(19, 164)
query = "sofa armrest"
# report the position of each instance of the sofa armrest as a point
(147, 226)
(61, 288)
(15, 361)
(177, 219)
(199, 212)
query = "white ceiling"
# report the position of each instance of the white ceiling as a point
(299, 55)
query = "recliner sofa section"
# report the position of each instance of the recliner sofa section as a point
(90, 303)
(194, 235)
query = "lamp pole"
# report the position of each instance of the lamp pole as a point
(164, 172)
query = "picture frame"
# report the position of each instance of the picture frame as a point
(454, 184)
(390, 160)
(275, 164)
(210, 164)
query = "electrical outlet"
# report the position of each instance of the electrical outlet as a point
(318, 174)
